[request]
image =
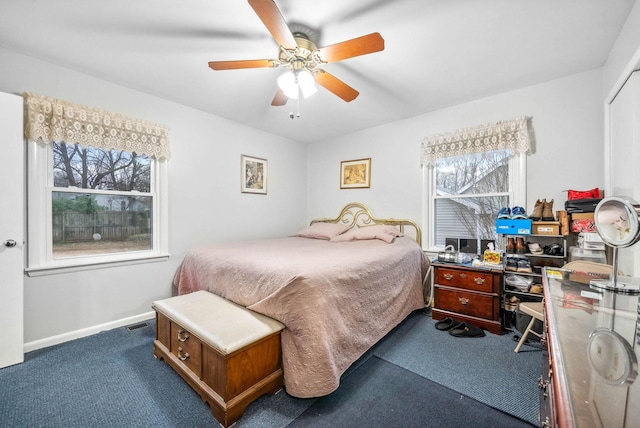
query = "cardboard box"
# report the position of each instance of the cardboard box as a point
(546, 227)
(582, 216)
(582, 222)
(513, 227)
(563, 218)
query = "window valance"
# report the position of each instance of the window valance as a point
(50, 119)
(515, 135)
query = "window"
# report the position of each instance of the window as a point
(468, 176)
(92, 204)
(101, 202)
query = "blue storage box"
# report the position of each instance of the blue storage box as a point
(513, 227)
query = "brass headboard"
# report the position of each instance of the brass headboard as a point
(356, 214)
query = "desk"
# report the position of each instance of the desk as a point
(590, 360)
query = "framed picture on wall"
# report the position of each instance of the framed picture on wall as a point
(254, 175)
(355, 174)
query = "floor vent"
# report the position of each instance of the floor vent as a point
(136, 326)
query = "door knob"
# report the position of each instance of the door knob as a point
(10, 243)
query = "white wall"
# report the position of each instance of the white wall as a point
(206, 204)
(567, 119)
(204, 184)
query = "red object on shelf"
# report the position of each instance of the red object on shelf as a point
(584, 194)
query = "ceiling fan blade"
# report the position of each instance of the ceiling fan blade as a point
(335, 85)
(279, 99)
(248, 63)
(270, 15)
(355, 47)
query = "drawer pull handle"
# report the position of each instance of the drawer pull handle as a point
(463, 300)
(463, 275)
(542, 386)
(182, 336)
(448, 276)
(180, 356)
(478, 280)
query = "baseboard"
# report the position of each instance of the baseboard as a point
(77, 334)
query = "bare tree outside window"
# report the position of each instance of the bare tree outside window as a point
(91, 168)
(470, 190)
(102, 203)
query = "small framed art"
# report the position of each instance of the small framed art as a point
(355, 174)
(254, 175)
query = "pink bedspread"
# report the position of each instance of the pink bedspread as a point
(335, 299)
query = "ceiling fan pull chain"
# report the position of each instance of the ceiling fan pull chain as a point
(298, 106)
(290, 102)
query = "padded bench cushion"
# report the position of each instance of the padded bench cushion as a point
(216, 321)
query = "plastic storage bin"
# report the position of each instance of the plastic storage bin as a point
(577, 253)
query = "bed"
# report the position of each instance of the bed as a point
(338, 286)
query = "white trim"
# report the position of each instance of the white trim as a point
(517, 196)
(632, 66)
(40, 260)
(518, 189)
(42, 271)
(72, 335)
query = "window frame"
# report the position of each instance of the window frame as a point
(516, 193)
(39, 253)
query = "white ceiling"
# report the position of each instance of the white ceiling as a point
(437, 53)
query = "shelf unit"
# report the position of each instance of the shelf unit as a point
(537, 262)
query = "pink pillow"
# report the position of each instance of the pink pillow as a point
(379, 231)
(322, 231)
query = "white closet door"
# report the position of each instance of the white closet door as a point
(12, 186)
(624, 155)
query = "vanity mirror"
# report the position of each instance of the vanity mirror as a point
(617, 220)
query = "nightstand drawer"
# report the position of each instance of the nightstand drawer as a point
(467, 303)
(467, 279)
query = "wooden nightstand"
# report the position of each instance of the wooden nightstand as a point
(468, 294)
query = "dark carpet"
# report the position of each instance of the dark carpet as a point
(111, 379)
(385, 395)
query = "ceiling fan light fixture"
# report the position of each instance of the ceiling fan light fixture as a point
(289, 85)
(307, 83)
(295, 81)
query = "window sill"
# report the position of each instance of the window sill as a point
(54, 270)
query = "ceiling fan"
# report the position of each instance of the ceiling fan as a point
(300, 56)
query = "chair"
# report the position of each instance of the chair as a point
(535, 310)
(583, 271)
(588, 266)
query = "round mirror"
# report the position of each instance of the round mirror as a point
(612, 357)
(616, 220)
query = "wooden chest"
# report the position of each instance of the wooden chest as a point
(468, 294)
(227, 369)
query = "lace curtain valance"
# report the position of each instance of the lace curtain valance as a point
(50, 119)
(515, 135)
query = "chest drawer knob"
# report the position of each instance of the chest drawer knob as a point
(463, 300)
(182, 357)
(448, 276)
(182, 336)
(478, 280)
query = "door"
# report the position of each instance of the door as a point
(624, 152)
(11, 230)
